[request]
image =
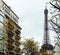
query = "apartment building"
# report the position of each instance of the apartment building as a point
(9, 31)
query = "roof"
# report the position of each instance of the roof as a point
(47, 47)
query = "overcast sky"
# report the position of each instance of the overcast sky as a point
(31, 14)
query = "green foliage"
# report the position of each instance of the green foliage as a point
(30, 47)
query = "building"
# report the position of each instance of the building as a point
(9, 31)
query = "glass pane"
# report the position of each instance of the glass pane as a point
(1, 37)
(1, 32)
(1, 18)
(1, 25)
(1, 47)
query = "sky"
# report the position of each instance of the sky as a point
(31, 17)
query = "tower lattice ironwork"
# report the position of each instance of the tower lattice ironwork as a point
(46, 45)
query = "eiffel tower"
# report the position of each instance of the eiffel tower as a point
(46, 47)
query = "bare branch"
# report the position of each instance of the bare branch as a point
(54, 6)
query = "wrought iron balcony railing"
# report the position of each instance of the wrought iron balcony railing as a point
(17, 31)
(10, 47)
(17, 37)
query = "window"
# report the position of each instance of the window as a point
(1, 37)
(1, 32)
(1, 47)
(1, 25)
(1, 18)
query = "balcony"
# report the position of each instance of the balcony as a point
(10, 33)
(10, 39)
(10, 36)
(17, 50)
(18, 36)
(17, 43)
(17, 31)
(10, 26)
(10, 53)
(1, 53)
(18, 54)
(10, 47)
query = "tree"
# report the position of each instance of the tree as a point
(30, 47)
(55, 19)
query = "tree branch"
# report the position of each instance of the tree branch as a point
(54, 6)
(55, 24)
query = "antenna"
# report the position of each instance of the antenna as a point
(46, 5)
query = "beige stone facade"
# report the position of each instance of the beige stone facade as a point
(9, 31)
(46, 52)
